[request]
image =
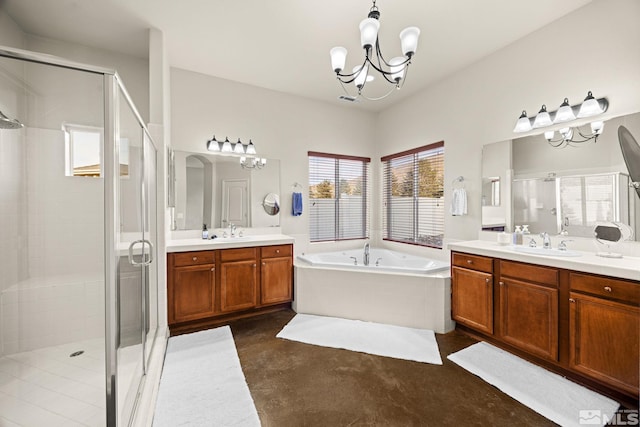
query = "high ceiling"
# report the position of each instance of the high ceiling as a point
(284, 44)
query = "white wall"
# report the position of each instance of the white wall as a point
(594, 48)
(282, 127)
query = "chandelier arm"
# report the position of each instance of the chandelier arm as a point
(380, 97)
(346, 91)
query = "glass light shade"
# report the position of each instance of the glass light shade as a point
(362, 77)
(549, 135)
(212, 145)
(397, 68)
(590, 107)
(542, 119)
(409, 40)
(564, 113)
(238, 148)
(597, 127)
(523, 124)
(338, 58)
(369, 32)
(566, 133)
(226, 146)
(251, 149)
(263, 161)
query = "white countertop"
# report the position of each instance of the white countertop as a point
(186, 245)
(623, 268)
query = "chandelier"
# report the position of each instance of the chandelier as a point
(393, 71)
(558, 121)
(253, 162)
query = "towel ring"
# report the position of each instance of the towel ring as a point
(297, 186)
(458, 182)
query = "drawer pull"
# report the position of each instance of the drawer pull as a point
(572, 300)
(277, 251)
(469, 261)
(195, 258)
(607, 288)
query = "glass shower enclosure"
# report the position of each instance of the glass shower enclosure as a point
(78, 229)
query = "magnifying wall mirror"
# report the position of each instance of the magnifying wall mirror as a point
(271, 204)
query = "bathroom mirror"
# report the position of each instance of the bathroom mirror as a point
(271, 204)
(215, 190)
(561, 190)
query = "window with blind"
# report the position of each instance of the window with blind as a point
(413, 196)
(338, 197)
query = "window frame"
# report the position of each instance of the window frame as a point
(366, 185)
(69, 129)
(387, 193)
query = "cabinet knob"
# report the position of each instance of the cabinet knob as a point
(572, 300)
(469, 261)
(254, 265)
(487, 280)
(264, 263)
(607, 288)
(277, 251)
(195, 258)
(500, 283)
(213, 269)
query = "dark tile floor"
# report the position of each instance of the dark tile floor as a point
(296, 384)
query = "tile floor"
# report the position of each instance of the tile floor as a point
(46, 387)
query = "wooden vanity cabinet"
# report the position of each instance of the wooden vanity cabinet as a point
(472, 291)
(238, 279)
(584, 326)
(604, 329)
(528, 307)
(276, 274)
(191, 286)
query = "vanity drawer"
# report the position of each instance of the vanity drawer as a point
(238, 254)
(606, 287)
(473, 262)
(530, 273)
(181, 259)
(276, 251)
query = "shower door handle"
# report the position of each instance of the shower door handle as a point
(147, 259)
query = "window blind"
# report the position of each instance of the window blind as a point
(338, 197)
(413, 196)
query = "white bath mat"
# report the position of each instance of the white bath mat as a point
(551, 395)
(202, 383)
(398, 342)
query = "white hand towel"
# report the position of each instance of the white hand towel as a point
(459, 202)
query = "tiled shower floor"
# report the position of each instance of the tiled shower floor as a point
(47, 387)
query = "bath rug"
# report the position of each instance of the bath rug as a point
(552, 396)
(419, 345)
(202, 383)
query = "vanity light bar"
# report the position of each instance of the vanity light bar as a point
(564, 114)
(230, 147)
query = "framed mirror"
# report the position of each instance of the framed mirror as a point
(215, 190)
(560, 190)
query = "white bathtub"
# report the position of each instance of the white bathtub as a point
(379, 260)
(402, 289)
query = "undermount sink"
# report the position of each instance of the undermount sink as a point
(554, 252)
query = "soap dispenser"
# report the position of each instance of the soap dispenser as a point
(205, 232)
(517, 236)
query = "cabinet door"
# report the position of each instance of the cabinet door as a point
(238, 285)
(276, 280)
(604, 338)
(472, 299)
(529, 317)
(192, 293)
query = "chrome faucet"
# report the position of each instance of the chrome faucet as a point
(546, 240)
(232, 230)
(366, 253)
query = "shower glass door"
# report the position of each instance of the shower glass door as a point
(137, 276)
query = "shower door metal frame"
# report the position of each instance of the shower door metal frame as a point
(111, 174)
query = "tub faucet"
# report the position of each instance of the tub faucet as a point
(366, 253)
(546, 240)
